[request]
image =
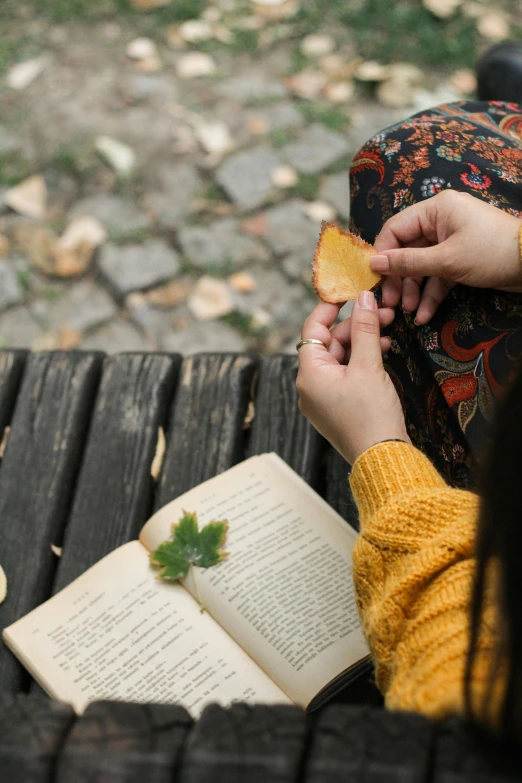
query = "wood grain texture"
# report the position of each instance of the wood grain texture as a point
(124, 743)
(37, 479)
(206, 435)
(258, 744)
(115, 488)
(278, 424)
(462, 755)
(11, 368)
(337, 490)
(356, 744)
(31, 736)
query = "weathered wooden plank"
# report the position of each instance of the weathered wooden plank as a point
(246, 743)
(362, 744)
(37, 479)
(114, 493)
(11, 368)
(124, 743)
(206, 427)
(30, 738)
(278, 424)
(463, 755)
(337, 489)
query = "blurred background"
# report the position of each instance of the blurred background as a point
(165, 165)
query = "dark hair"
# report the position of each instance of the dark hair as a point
(499, 543)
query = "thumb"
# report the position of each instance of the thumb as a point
(413, 261)
(365, 331)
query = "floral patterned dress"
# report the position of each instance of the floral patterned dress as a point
(450, 372)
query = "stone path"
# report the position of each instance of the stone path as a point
(209, 241)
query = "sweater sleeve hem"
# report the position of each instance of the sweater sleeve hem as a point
(389, 470)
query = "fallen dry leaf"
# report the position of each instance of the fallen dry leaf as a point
(493, 26)
(3, 442)
(464, 81)
(335, 66)
(372, 71)
(195, 64)
(3, 585)
(196, 30)
(4, 246)
(472, 9)
(261, 318)
(284, 177)
(242, 282)
(210, 298)
(255, 226)
(339, 92)
(443, 9)
(74, 250)
(317, 45)
(56, 550)
(319, 211)
(21, 75)
(214, 136)
(29, 198)
(257, 126)
(396, 93)
(275, 10)
(157, 462)
(341, 268)
(249, 415)
(141, 49)
(306, 84)
(223, 34)
(168, 295)
(149, 5)
(118, 155)
(68, 339)
(37, 243)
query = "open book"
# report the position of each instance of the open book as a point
(281, 623)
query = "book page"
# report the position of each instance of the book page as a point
(285, 593)
(118, 633)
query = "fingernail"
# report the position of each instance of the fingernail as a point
(367, 301)
(380, 263)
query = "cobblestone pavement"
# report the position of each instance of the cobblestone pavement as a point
(208, 216)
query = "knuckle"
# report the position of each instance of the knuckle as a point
(407, 263)
(366, 325)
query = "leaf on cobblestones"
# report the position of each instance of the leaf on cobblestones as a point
(493, 26)
(210, 298)
(317, 45)
(195, 64)
(443, 9)
(118, 155)
(341, 268)
(4, 246)
(56, 550)
(168, 295)
(3, 584)
(319, 211)
(339, 92)
(29, 198)
(464, 81)
(242, 282)
(214, 136)
(141, 48)
(372, 71)
(3, 442)
(275, 10)
(284, 177)
(196, 30)
(21, 75)
(149, 5)
(306, 84)
(74, 250)
(157, 462)
(255, 226)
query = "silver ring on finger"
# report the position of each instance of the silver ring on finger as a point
(310, 341)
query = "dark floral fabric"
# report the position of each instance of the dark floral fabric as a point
(450, 372)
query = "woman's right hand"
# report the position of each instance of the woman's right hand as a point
(450, 238)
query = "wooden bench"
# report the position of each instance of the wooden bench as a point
(76, 470)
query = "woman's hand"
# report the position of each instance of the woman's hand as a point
(450, 238)
(344, 391)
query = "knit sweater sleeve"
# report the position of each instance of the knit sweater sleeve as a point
(413, 570)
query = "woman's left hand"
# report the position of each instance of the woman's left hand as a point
(344, 390)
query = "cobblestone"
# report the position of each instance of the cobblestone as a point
(316, 148)
(134, 267)
(245, 176)
(11, 292)
(220, 244)
(119, 216)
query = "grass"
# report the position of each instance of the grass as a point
(330, 116)
(307, 187)
(13, 168)
(61, 11)
(280, 137)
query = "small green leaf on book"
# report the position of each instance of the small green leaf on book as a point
(190, 546)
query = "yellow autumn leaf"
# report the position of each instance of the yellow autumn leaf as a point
(342, 265)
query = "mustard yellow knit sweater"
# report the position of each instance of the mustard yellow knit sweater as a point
(413, 569)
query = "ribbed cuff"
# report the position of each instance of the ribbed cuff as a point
(388, 470)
